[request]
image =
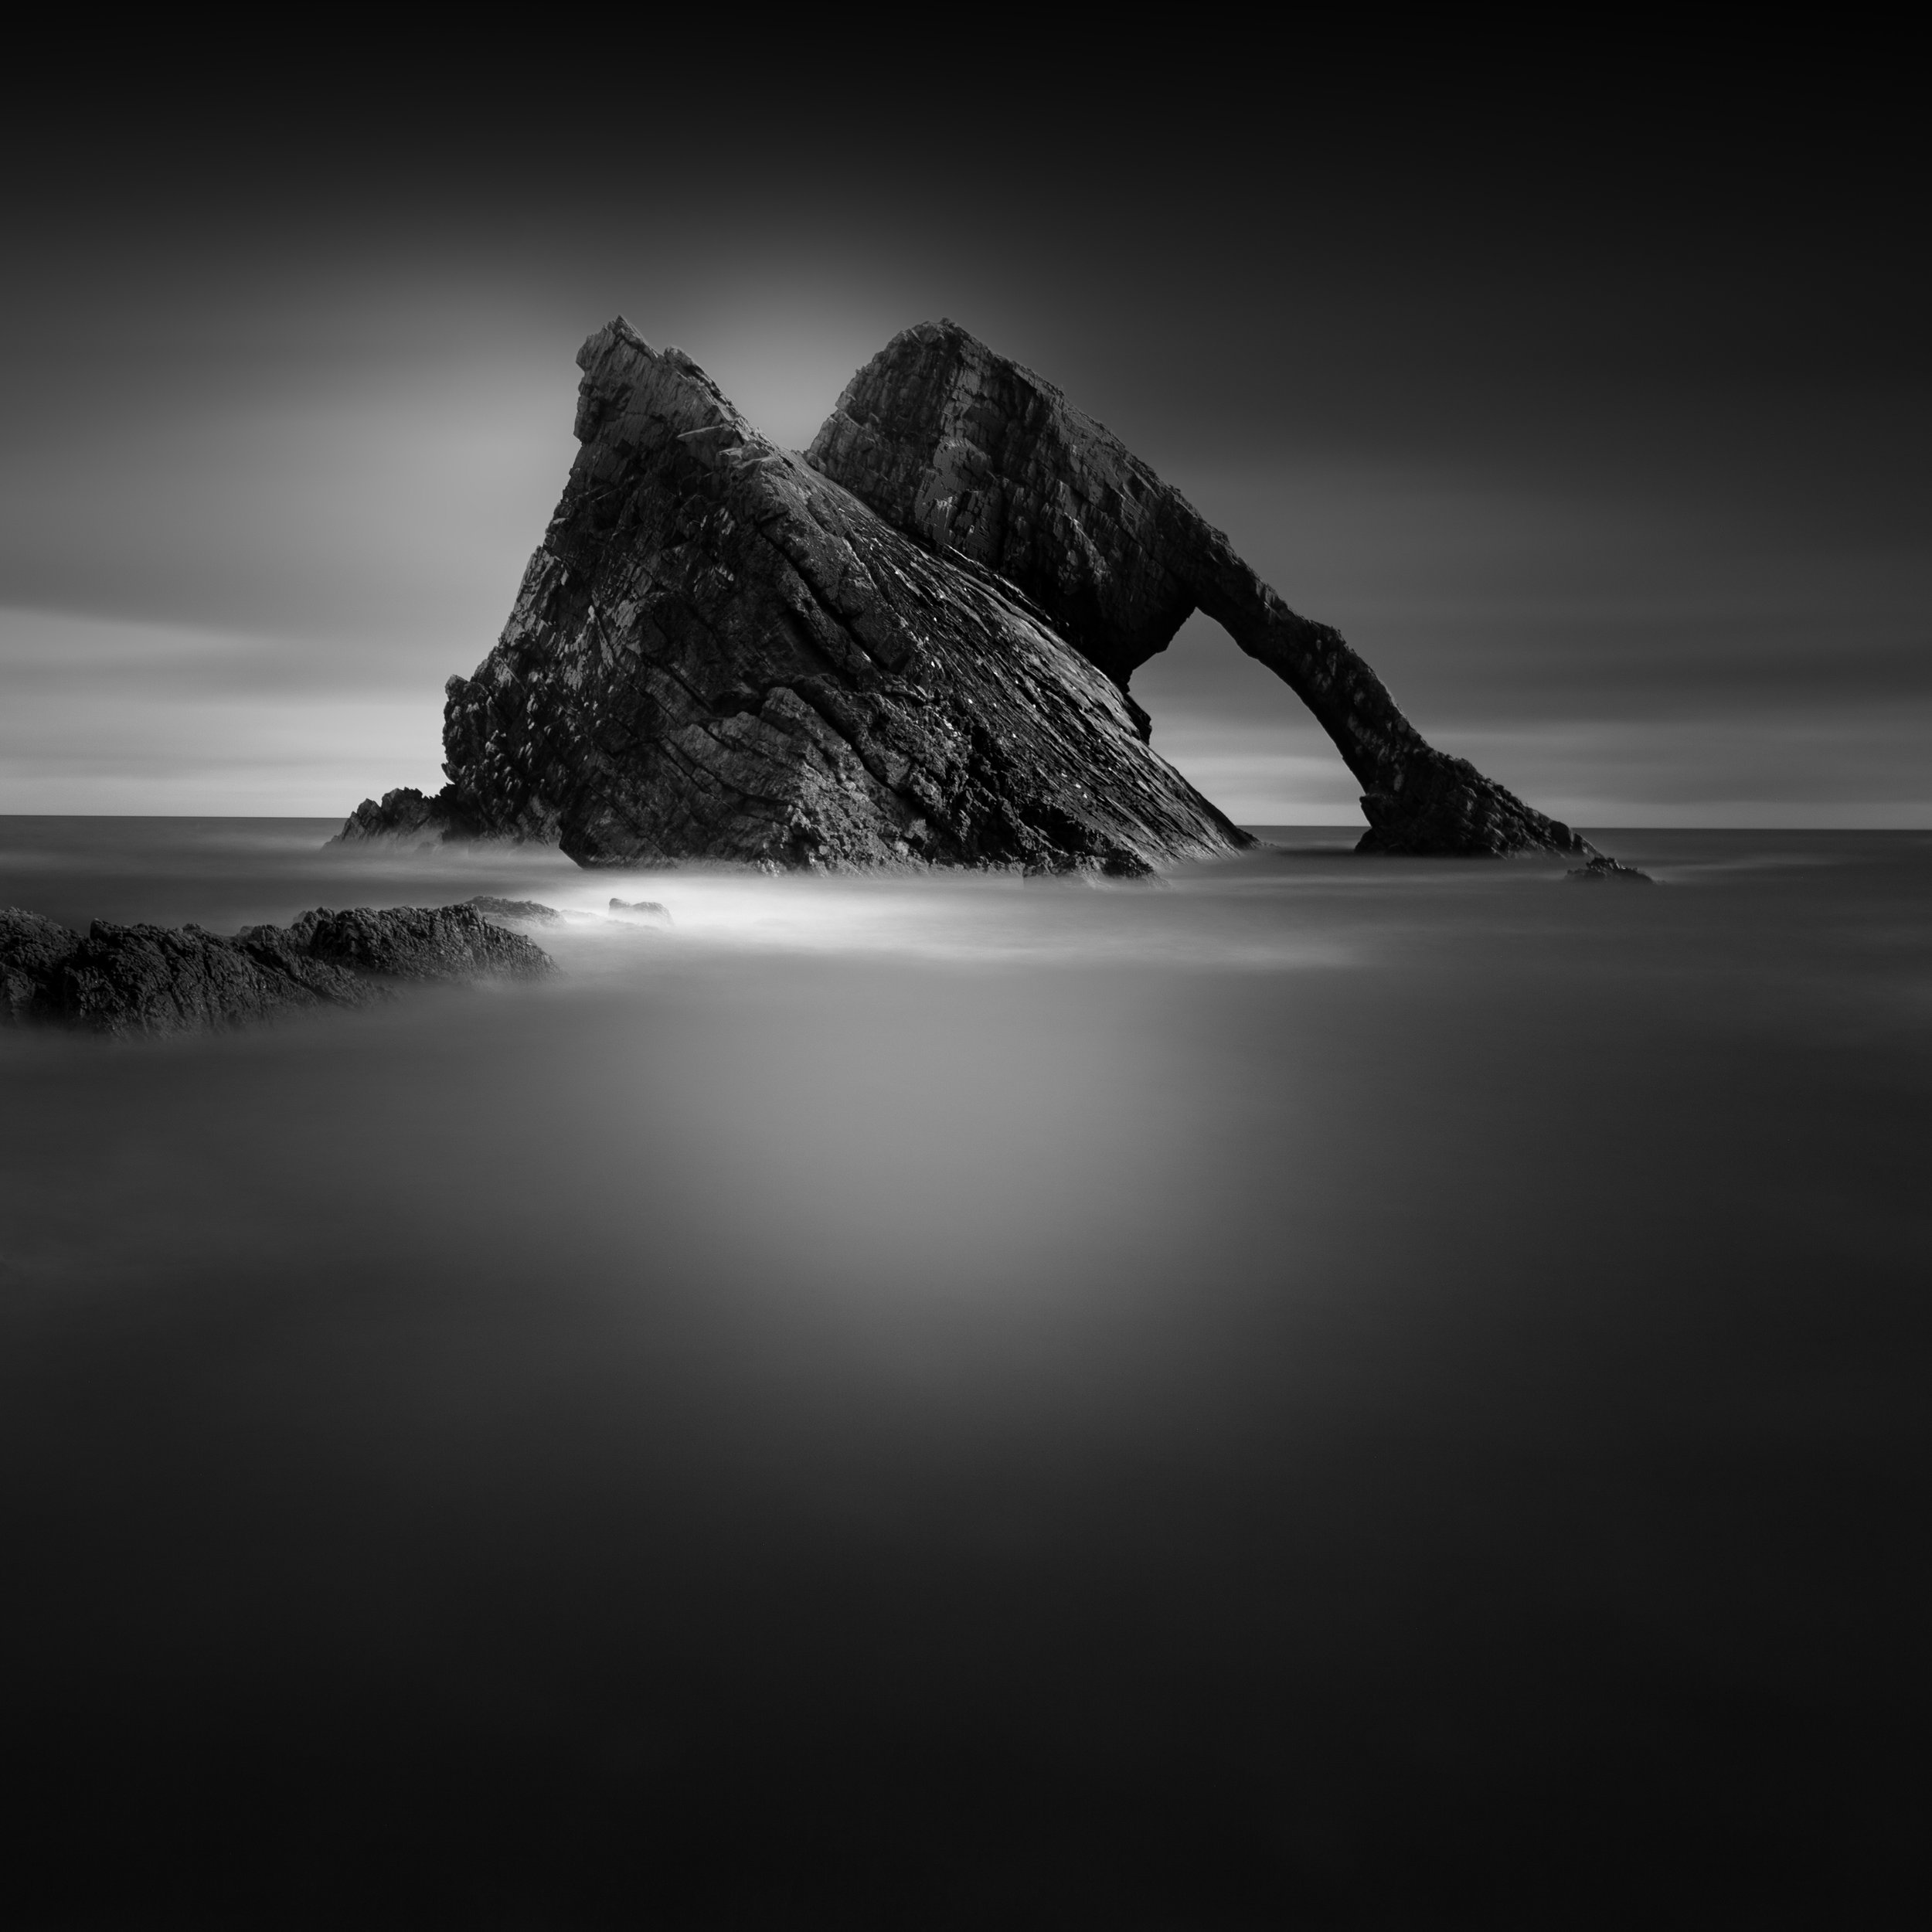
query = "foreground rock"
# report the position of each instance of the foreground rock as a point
(915, 643)
(528, 910)
(154, 980)
(31, 949)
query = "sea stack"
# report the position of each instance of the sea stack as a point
(912, 644)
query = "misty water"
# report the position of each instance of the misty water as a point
(1324, 1391)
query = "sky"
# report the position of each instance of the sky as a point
(1592, 407)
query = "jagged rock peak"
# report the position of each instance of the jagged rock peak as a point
(988, 463)
(718, 652)
(407, 817)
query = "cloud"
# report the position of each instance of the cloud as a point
(109, 716)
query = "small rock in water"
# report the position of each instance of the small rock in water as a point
(515, 909)
(1601, 867)
(646, 909)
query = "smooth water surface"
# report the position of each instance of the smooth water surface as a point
(1328, 1391)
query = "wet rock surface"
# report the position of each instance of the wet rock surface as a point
(31, 947)
(993, 469)
(156, 980)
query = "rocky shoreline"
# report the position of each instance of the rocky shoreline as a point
(143, 981)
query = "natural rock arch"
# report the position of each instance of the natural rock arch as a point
(911, 644)
(981, 459)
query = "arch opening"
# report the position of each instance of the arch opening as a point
(1237, 733)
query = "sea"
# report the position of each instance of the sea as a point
(1319, 1390)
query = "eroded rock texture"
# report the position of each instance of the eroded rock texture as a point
(31, 947)
(990, 465)
(718, 652)
(128, 980)
(407, 816)
(528, 910)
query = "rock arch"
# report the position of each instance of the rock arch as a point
(979, 458)
(911, 644)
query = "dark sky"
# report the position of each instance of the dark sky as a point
(1586, 390)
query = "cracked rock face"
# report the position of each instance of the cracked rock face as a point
(987, 463)
(718, 652)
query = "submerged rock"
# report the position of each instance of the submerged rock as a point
(647, 910)
(914, 644)
(524, 909)
(993, 467)
(122, 980)
(1601, 867)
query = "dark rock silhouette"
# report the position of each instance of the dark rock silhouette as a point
(718, 653)
(407, 816)
(1601, 867)
(912, 644)
(988, 464)
(123, 980)
(31, 947)
(528, 910)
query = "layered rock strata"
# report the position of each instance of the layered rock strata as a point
(993, 468)
(156, 980)
(719, 652)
